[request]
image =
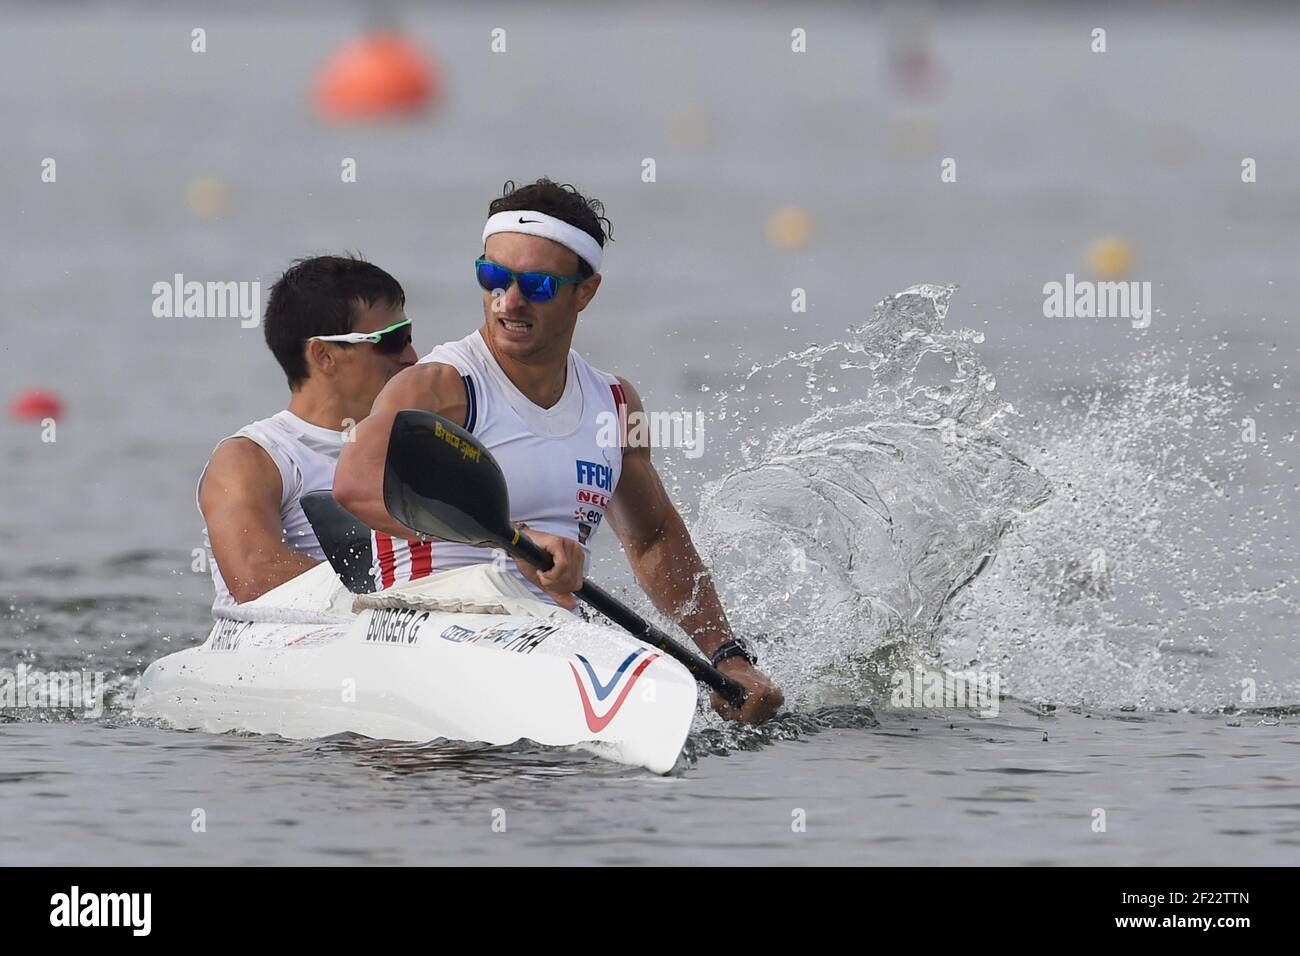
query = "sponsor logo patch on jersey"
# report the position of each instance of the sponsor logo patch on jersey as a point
(588, 516)
(595, 475)
(591, 502)
(595, 499)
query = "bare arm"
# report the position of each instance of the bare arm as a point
(359, 478)
(670, 571)
(660, 549)
(240, 500)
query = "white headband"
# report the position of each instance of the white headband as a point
(548, 227)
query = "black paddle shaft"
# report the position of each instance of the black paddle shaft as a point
(622, 615)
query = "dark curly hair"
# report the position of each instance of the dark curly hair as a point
(562, 201)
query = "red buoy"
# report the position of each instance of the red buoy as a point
(379, 74)
(35, 404)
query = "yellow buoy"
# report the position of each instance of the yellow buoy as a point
(1109, 258)
(207, 198)
(789, 227)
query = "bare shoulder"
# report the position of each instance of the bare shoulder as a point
(432, 386)
(237, 465)
(633, 451)
(634, 403)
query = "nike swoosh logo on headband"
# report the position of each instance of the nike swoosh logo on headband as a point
(523, 220)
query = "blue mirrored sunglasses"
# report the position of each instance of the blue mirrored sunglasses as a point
(534, 286)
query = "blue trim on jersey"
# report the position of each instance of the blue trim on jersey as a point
(471, 413)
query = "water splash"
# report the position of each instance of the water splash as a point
(1155, 577)
(1115, 551)
(859, 524)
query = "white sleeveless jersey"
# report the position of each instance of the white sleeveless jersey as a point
(561, 464)
(306, 456)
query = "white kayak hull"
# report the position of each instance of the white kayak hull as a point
(419, 675)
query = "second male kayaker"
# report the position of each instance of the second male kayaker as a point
(338, 328)
(543, 412)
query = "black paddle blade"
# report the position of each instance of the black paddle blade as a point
(344, 539)
(440, 481)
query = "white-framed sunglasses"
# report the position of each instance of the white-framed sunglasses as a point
(384, 340)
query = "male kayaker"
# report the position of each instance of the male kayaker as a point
(338, 328)
(539, 407)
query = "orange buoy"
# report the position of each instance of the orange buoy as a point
(379, 74)
(36, 404)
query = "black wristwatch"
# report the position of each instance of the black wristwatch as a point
(736, 647)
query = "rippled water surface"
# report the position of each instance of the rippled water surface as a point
(927, 790)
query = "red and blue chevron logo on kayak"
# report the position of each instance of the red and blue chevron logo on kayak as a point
(618, 687)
